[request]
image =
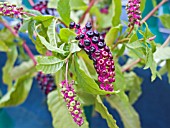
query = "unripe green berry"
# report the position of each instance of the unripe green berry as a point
(72, 103)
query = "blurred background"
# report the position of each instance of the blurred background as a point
(153, 105)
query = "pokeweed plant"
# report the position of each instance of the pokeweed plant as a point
(79, 66)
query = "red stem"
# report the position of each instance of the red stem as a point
(153, 11)
(87, 10)
(31, 2)
(27, 49)
(66, 73)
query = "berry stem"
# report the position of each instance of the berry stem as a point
(27, 49)
(66, 73)
(31, 2)
(153, 11)
(30, 54)
(130, 31)
(87, 10)
(138, 60)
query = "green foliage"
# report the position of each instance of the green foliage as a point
(88, 85)
(12, 56)
(100, 108)
(60, 113)
(117, 10)
(162, 53)
(113, 31)
(66, 35)
(17, 93)
(133, 86)
(165, 20)
(64, 10)
(3, 47)
(77, 5)
(127, 113)
(49, 64)
(142, 5)
(168, 68)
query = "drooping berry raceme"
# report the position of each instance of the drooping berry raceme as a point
(11, 10)
(134, 13)
(73, 105)
(42, 7)
(46, 82)
(94, 45)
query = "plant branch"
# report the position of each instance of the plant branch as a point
(166, 42)
(30, 54)
(62, 23)
(153, 11)
(66, 73)
(87, 10)
(138, 60)
(27, 49)
(31, 2)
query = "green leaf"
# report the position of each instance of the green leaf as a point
(74, 48)
(24, 26)
(53, 3)
(60, 113)
(23, 68)
(51, 32)
(135, 45)
(45, 20)
(12, 56)
(100, 108)
(87, 84)
(77, 5)
(133, 38)
(49, 64)
(133, 86)
(162, 53)
(49, 46)
(17, 93)
(112, 35)
(149, 59)
(117, 10)
(31, 11)
(64, 10)
(67, 35)
(165, 20)
(3, 47)
(127, 113)
(142, 5)
(168, 68)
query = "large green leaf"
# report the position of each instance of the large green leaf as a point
(49, 64)
(17, 93)
(49, 46)
(133, 86)
(127, 113)
(74, 48)
(11, 58)
(3, 47)
(87, 84)
(112, 35)
(23, 68)
(66, 35)
(45, 20)
(142, 5)
(60, 113)
(51, 32)
(100, 108)
(77, 5)
(117, 10)
(64, 10)
(165, 20)
(162, 53)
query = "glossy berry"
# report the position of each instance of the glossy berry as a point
(72, 25)
(88, 26)
(46, 82)
(87, 42)
(94, 45)
(73, 105)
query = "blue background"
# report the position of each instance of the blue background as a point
(153, 106)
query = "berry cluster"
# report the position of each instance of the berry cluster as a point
(46, 82)
(134, 14)
(42, 7)
(11, 10)
(73, 104)
(94, 45)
